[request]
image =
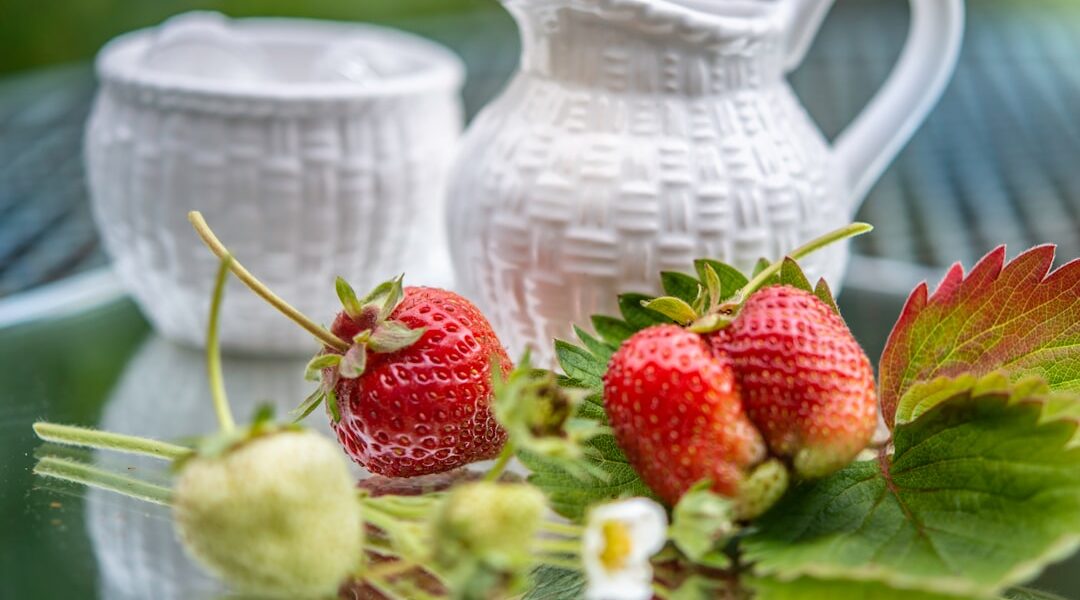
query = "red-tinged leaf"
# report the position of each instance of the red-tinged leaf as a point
(1013, 318)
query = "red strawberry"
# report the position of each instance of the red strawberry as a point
(675, 410)
(805, 382)
(422, 408)
(406, 373)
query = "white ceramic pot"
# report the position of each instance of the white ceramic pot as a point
(639, 135)
(314, 149)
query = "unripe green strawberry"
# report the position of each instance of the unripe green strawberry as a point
(675, 410)
(495, 522)
(805, 382)
(484, 537)
(275, 516)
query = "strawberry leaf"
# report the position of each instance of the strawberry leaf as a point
(354, 362)
(981, 492)
(762, 264)
(571, 494)
(391, 336)
(673, 308)
(731, 279)
(792, 274)
(636, 315)
(314, 368)
(600, 349)
(824, 294)
(308, 405)
(581, 365)
(612, 330)
(1010, 317)
(348, 298)
(680, 285)
(555, 583)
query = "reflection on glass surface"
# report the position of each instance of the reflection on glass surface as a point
(163, 393)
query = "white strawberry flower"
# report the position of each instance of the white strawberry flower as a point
(620, 538)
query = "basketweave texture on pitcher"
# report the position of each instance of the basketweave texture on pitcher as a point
(626, 155)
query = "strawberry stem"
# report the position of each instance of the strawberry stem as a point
(500, 464)
(69, 435)
(850, 231)
(213, 350)
(76, 472)
(565, 529)
(215, 246)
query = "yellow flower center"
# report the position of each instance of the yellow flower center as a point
(617, 545)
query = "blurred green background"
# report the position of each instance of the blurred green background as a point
(35, 33)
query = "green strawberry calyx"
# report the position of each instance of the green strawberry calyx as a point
(714, 307)
(380, 334)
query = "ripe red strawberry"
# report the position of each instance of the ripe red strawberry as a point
(805, 382)
(675, 410)
(425, 407)
(406, 373)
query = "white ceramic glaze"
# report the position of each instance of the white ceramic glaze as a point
(308, 161)
(641, 134)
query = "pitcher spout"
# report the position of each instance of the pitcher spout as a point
(802, 19)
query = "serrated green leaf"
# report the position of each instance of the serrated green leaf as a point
(673, 308)
(554, 583)
(571, 496)
(1012, 317)
(792, 274)
(731, 279)
(611, 330)
(822, 291)
(600, 349)
(981, 493)
(593, 408)
(680, 285)
(636, 315)
(580, 365)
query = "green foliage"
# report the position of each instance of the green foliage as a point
(981, 492)
(553, 583)
(1016, 318)
(571, 494)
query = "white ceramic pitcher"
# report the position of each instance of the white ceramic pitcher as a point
(639, 135)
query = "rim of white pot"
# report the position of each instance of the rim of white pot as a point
(439, 71)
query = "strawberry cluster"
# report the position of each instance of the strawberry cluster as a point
(782, 379)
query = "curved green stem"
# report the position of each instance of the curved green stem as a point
(402, 510)
(213, 350)
(850, 231)
(76, 472)
(559, 546)
(215, 245)
(567, 529)
(500, 465)
(70, 435)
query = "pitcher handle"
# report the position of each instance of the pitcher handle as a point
(864, 150)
